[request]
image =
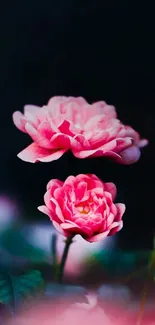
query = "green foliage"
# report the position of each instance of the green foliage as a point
(119, 263)
(15, 244)
(16, 289)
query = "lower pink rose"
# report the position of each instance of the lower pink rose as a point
(83, 205)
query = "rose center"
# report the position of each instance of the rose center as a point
(84, 209)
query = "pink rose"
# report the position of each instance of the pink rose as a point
(83, 205)
(68, 123)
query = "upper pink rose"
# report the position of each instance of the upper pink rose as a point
(83, 205)
(68, 123)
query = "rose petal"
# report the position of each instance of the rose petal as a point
(53, 156)
(45, 129)
(103, 108)
(97, 153)
(60, 140)
(34, 153)
(81, 191)
(122, 144)
(100, 151)
(19, 121)
(142, 143)
(110, 220)
(98, 139)
(47, 200)
(120, 211)
(117, 226)
(44, 209)
(58, 228)
(32, 119)
(32, 109)
(69, 226)
(38, 137)
(58, 210)
(130, 155)
(98, 237)
(65, 128)
(54, 183)
(111, 187)
(83, 143)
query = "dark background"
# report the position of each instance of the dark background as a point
(81, 48)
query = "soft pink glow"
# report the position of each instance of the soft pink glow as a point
(83, 205)
(70, 123)
(67, 313)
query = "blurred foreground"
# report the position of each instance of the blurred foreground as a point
(26, 267)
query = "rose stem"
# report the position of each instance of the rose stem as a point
(54, 253)
(63, 260)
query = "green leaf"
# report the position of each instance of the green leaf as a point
(16, 289)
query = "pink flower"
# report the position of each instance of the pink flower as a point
(68, 123)
(83, 205)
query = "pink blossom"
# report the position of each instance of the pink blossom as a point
(83, 205)
(69, 123)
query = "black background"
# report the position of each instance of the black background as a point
(98, 50)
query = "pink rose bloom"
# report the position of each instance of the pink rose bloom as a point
(68, 123)
(83, 205)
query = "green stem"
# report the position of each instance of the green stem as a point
(54, 254)
(63, 260)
